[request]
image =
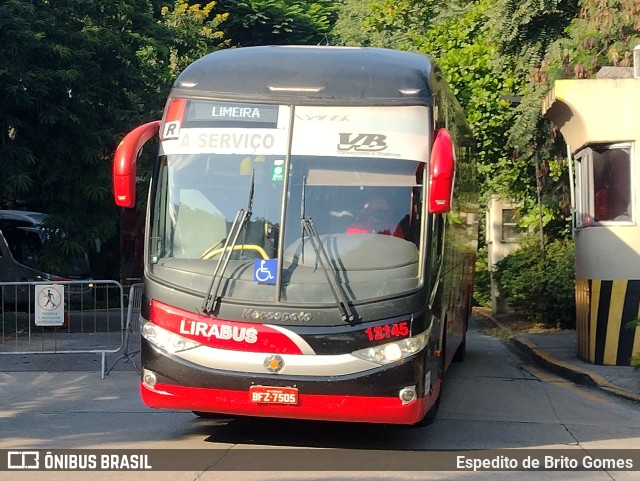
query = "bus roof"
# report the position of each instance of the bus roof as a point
(309, 74)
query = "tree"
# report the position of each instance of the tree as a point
(349, 28)
(388, 23)
(455, 34)
(278, 22)
(604, 33)
(192, 31)
(544, 41)
(464, 49)
(74, 77)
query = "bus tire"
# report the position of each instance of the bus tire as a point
(461, 351)
(431, 414)
(206, 415)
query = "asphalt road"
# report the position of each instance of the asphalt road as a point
(494, 400)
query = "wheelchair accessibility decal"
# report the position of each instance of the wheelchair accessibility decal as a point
(264, 271)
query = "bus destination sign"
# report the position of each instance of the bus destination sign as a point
(229, 114)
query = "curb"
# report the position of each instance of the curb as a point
(561, 368)
(566, 370)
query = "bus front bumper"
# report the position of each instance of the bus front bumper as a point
(395, 394)
(321, 407)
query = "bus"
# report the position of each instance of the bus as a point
(306, 253)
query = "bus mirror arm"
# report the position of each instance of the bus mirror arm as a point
(441, 173)
(125, 162)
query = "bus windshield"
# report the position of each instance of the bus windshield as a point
(361, 191)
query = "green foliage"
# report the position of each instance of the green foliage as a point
(455, 34)
(61, 112)
(604, 33)
(12, 323)
(541, 41)
(74, 76)
(460, 36)
(350, 28)
(524, 29)
(463, 49)
(389, 23)
(193, 30)
(482, 287)
(278, 22)
(540, 285)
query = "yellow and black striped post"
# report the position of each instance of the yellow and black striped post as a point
(604, 310)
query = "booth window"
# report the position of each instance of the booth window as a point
(509, 229)
(603, 185)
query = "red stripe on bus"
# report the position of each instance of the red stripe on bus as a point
(175, 110)
(364, 409)
(222, 334)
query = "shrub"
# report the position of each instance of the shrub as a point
(482, 287)
(540, 285)
(12, 322)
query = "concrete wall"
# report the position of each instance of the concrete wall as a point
(498, 247)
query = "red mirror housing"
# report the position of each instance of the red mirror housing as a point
(441, 173)
(125, 160)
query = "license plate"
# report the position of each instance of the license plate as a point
(273, 395)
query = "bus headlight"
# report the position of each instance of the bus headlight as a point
(396, 350)
(166, 340)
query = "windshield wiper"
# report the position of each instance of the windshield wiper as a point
(336, 287)
(212, 298)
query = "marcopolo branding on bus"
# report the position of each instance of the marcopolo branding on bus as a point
(276, 316)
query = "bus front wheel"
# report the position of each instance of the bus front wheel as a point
(430, 417)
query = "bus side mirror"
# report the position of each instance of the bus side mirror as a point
(125, 160)
(441, 173)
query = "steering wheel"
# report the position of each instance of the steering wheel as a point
(209, 254)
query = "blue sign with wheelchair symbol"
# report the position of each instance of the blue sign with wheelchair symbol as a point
(264, 271)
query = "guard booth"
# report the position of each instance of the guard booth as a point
(600, 122)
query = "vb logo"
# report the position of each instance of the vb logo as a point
(362, 142)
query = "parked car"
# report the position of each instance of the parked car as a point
(23, 236)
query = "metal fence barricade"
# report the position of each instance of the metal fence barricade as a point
(132, 328)
(62, 317)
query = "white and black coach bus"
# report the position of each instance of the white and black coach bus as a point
(311, 236)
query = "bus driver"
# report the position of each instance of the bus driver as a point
(376, 217)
